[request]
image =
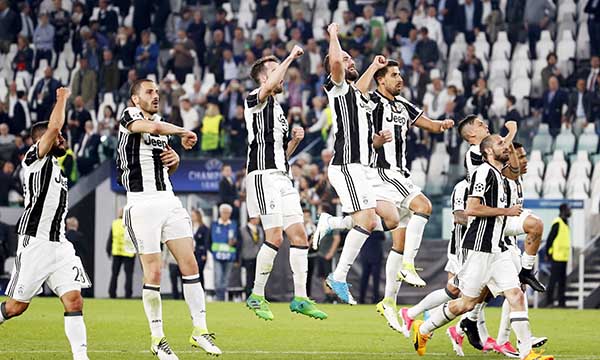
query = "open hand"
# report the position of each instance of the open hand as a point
(169, 157)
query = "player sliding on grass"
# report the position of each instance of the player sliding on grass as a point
(43, 253)
(270, 192)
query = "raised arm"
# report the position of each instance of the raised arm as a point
(336, 55)
(297, 136)
(141, 125)
(364, 81)
(57, 120)
(276, 77)
(513, 170)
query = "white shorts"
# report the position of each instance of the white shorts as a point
(494, 270)
(352, 185)
(514, 224)
(153, 220)
(41, 261)
(272, 196)
(393, 186)
(453, 265)
(515, 255)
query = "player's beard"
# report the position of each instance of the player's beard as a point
(278, 89)
(502, 157)
(394, 90)
(148, 107)
(57, 151)
(351, 75)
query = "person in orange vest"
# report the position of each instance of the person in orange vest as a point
(558, 250)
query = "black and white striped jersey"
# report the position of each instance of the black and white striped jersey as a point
(268, 134)
(486, 234)
(514, 190)
(45, 191)
(473, 159)
(397, 116)
(139, 166)
(459, 202)
(352, 124)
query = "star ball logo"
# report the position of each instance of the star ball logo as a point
(213, 165)
(479, 187)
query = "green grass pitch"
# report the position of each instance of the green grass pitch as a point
(117, 329)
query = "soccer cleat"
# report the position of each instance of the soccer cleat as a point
(260, 306)
(408, 274)
(469, 327)
(507, 350)
(387, 309)
(406, 321)
(80, 357)
(419, 340)
(322, 230)
(204, 340)
(527, 277)
(537, 342)
(161, 349)
(306, 306)
(341, 289)
(489, 345)
(533, 355)
(456, 339)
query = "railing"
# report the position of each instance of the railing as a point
(581, 274)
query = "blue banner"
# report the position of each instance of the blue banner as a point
(193, 175)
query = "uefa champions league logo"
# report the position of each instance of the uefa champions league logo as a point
(213, 165)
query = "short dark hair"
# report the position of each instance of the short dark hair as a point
(563, 207)
(551, 54)
(517, 145)
(468, 120)
(38, 129)
(259, 66)
(512, 99)
(383, 71)
(135, 87)
(326, 64)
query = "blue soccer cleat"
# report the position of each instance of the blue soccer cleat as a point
(341, 289)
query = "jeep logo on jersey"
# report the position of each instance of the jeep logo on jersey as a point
(284, 123)
(152, 141)
(398, 119)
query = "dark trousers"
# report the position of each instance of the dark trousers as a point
(534, 32)
(370, 269)
(42, 54)
(127, 263)
(250, 266)
(594, 30)
(558, 275)
(175, 276)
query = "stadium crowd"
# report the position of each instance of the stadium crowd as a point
(201, 53)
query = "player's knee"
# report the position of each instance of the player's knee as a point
(276, 239)
(74, 303)
(452, 291)
(189, 267)
(152, 276)
(299, 239)
(515, 298)
(536, 226)
(421, 205)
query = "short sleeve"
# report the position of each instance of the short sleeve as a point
(414, 112)
(130, 115)
(334, 89)
(479, 182)
(252, 101)
(31, 156)
(458, 198)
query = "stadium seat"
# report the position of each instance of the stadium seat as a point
(62, 74)
(439, 161)
(520, 68)
(567, 7)
(482, 47)
(419, 178)
(521, 52)
(3, 88)
(499, 66)
(565, 52)
(557, 167)
(580, 167)
(458, 49)
(542, 141)
(583, 42)
(544, 46)
(536, 164)
(578, 188)
(554, 188)
(532, 187)
(502, 48)
(565, 141)
(521, 90)
(435, 185)
(588, 140)
(498, 106)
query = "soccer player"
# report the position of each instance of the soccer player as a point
(43, 254)
(154, 215)
(487, 261)
(349, 171)
(270, 192)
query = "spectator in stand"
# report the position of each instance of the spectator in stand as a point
(300, 23)
(230, 68)
(108, 126)
(76, 121)
(239, 44)
(44, 95)
(60, 18)
(121, 249)
(409, 46)
(514, 17)
(20, 119)
(27, 25)
(212, 130)
(274, 40)
(481, 100)
(214, 55)
(4, 245)
(592, 8)
(553, 101)
(360, 37)
(43, 40)
(68, 165)
(403, 27)
(347, 26)
(238, 133)
(372, 23)
(538, 15)
(224, 246)
(591, 75)
(169, 93)
(124, 90)
(551, 70)
(258, 45)
(79, 21)
(294, 39)
(427, 50)
(109, 74)
(183, 56)
(512, 114)
(469, 19)
(201, 238)
(471, 69)
(579, 112)
(231, 98)
(435, 28)
(447, 12)
(294, 88)
(107, 18)
(222, 24)
(227, 191)
(434, 102)
(23, 60)
(7, 180)
(312, 58)
(85, 84)
(196, 32)
(371, 257)
(10, 26)
(197, 97)
(146, 56)
(189, 115)
(86, 149)
(124, 51)
(252, 237)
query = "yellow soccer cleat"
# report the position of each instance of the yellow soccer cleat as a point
(538, 356)
(419, 340)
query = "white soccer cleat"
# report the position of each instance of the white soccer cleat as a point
(161, 349)
(387, 309)
(206, 341)
(409, 275)
(80, 357)
(537, 342)
(322, 230)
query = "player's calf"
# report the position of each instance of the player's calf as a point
(12, 308)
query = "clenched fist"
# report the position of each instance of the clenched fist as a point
(63, 93)
(297, 134)
(297, 51)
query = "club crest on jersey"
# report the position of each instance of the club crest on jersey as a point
(272, 205)
(152, 140)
